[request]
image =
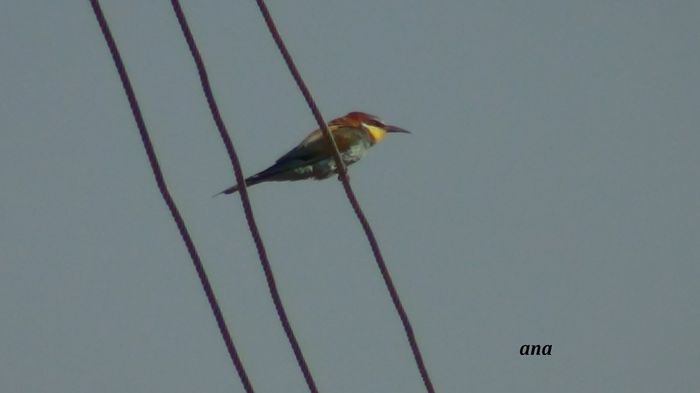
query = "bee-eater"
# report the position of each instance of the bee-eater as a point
(354, 134)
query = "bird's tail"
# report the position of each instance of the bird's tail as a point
(227, 191)
(263, 176)
(255, 179)
(270, 174)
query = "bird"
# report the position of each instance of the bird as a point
(313, 158)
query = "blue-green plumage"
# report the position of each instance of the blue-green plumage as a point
(354, 134)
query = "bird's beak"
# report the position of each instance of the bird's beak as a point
(396, 129)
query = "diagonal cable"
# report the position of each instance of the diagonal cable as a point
(160, 180)
(343, 176)
(240, 180)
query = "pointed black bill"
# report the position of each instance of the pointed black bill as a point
(396, 129)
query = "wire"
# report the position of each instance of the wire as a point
(160, 181)
(343, 176)
(240, 179)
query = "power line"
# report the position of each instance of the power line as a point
(343, 176)
(160, 181)
(240, 179)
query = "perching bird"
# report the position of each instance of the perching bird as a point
(354, 134)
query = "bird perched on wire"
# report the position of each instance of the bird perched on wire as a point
(354, 134)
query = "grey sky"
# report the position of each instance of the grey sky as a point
(548, 195)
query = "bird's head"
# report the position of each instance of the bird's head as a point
(376, 129)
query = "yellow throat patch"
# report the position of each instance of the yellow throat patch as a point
(377, 133)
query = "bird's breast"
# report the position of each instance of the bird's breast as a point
(325, 168)
(355, 152)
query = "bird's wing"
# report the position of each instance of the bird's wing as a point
(315, 146)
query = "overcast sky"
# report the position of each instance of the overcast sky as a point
(548, 195)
